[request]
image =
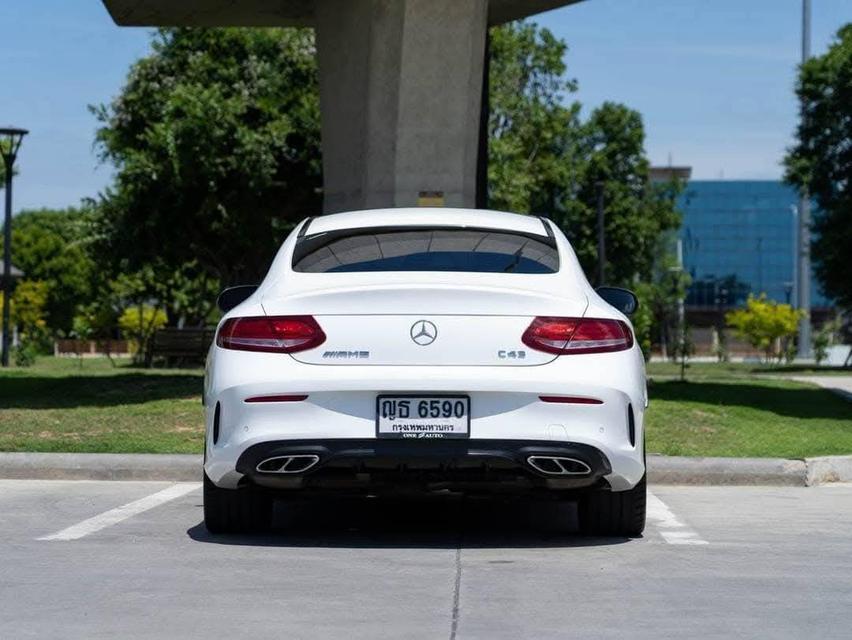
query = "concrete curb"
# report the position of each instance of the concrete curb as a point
(100, 466)
(726, 471)
(829, 469)
(661, 469)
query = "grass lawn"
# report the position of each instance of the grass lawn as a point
(58, 405)
(722, 410)
(745, 410)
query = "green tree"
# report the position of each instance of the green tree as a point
(821, 160)
(764, 323)
(543, 158)
(27, 307)
(215, 138)
(531, 131)
(52, 246)
(637, 211)
(186, 293)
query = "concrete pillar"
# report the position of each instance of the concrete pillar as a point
(400, 93)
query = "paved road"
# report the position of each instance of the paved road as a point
(131, 560)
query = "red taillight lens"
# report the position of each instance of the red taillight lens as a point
(272, 334)
(566, 336)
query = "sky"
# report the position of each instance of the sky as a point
(713, 80)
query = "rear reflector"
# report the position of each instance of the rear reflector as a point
(276, 398)
(271, 334)
(570, 400)
(567, 336)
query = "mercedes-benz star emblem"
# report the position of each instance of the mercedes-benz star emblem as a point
(423, 332)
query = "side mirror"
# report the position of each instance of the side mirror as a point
(622, 299)
(232, 296)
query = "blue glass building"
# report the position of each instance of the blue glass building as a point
(738, 238)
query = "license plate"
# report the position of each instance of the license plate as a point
(423, 417)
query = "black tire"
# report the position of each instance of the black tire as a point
(244, 510)
(611, 513)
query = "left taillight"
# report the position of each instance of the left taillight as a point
(567, 336)
(270, 334)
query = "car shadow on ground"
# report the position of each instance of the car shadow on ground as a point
(445, 523)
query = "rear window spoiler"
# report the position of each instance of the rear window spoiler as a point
(548, 229)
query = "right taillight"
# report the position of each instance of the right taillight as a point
(271, 334)
(566, 336)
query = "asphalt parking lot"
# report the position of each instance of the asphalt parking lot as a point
(132, 560)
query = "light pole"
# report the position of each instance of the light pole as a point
(10, 142)
(803, 291)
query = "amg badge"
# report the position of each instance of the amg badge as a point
(346, 355)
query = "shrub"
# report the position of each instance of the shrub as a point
(765, 324)
(138, 324)
(25, 354)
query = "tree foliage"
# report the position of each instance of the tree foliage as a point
(27, 306)
(215, 138)
(529, 127)
(545, 159)
(821, 160)
(51, 246)
(637, 212)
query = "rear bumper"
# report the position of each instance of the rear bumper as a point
(340, 407)
(391, 466)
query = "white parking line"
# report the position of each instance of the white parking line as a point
(673, 530)
(114, 516)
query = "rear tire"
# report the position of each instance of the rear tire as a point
(244, 510)
(611, 513)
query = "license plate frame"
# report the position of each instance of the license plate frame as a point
(415, 398)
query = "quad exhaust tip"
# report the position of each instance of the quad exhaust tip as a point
(288, 464)
(559, 466)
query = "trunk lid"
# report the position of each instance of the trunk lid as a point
(424, 324)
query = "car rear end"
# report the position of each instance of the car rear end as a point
(381, 358)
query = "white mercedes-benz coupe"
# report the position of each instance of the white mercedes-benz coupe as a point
(425, 350)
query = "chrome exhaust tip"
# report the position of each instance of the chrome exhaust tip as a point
(288, 464)
(559, 466)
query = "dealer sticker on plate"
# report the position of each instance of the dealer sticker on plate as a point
(405, 416)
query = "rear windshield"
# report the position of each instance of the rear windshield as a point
(423, 249)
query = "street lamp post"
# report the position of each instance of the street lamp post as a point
(10, 142)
